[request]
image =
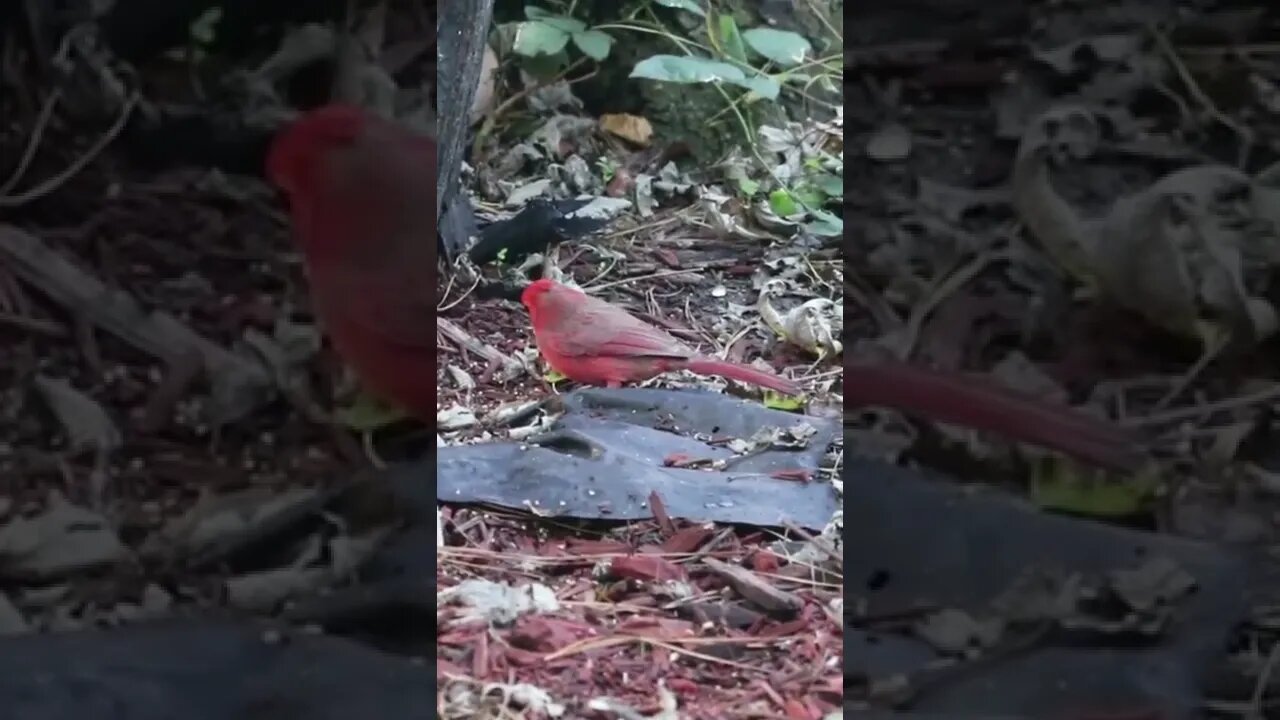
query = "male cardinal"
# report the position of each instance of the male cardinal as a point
(590, 341)
(361, 191)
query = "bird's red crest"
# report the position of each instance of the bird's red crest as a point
(296, 148)
(536, 289)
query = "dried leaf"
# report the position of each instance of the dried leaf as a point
(890, 143)
(632, 128)
(86, 423)
(953, 632)
(63, 539)
(499, 603)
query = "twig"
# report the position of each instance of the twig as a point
(33, 143)
(1266, 395)
(509, 365)
(638, 278)
(948, 286)
(1264, 679)
(48, 328)
(463, 296)
(641, 228)
(1166, 47)
(53, 183)
(492, 118)
(1213, 346)
(820, 543)
(238, 382)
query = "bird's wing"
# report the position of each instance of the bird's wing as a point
(375, 260)
(398, 307)
(588, 326)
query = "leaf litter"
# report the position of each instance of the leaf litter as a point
(664, 618)
(164, 451)
(1128, 193)
(176, 428)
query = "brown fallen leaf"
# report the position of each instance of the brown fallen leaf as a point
(631, 128)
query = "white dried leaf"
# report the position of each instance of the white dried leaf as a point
(499, 603)
(523, 194)
(511, 412)
(815, 326)
(461, 377)
(1015, 370)
(602, 208)
(86, 423)
(455, 418)
(723, 222)
(264, 591)
(63, 539)
(302, 46)
(890, 143)
(214, 518)
(645, 202)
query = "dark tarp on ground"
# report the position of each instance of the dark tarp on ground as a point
(935, 542)
(607, 456)
(206, 670)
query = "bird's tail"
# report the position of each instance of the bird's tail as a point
(969, 402)
(743, 373)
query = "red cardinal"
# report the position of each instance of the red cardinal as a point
(361, 192)
(590, 341)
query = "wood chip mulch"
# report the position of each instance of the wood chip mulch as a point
(663, 618)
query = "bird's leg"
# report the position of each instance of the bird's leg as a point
(1213, 338)
(371, 452)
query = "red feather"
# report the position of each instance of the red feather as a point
(361, 191)
(590, 341)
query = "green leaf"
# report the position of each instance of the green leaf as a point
(608, 168)
(737, 174)
(545, 68)
(1060, 485)
(730, 38)
(594, 44)
(782, 204)
(824, 224)
(781, 46)
(831, 185)
(809, 195)
(536, 38)
(367, 414)
(689, 5)
(687, 70)
(563, 23)
(764, 86)
(778, 401)
(204, 29)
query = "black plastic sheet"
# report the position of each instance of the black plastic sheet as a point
(206, 670)
(606, 455)
(911, 539)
